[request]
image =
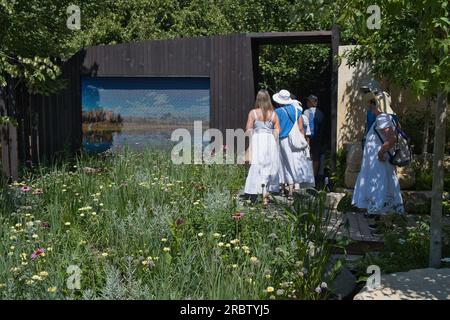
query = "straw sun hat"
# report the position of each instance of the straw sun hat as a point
(283, 97)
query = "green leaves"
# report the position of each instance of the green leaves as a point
(411, 48)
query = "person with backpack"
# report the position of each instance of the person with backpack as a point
(377, 188)
(315, 120)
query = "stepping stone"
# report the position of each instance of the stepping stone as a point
(419, 284)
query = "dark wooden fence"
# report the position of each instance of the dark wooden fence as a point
(50, 125)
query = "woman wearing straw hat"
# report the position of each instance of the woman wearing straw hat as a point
(293, 161)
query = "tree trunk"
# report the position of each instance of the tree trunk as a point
(438, 183)
(426, 130)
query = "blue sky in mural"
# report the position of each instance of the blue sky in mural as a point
(183, 99)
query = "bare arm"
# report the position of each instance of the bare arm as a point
(388, 143)
(300, 125)
(276, 124)
(250, 120)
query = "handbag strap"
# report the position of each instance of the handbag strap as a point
(287, 113)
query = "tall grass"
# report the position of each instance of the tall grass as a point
(140, 227)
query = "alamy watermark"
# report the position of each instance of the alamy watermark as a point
(374, 280)
(74, 20)
(374, 21)
(74, 280)
(192, 150)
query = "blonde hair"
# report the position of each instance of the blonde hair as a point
(264, 103)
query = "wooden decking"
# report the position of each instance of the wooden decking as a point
(352, 225)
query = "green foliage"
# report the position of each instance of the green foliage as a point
(410, 48)
(338, 177)
(406, 247)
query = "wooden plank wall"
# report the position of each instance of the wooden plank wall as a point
(226, 60)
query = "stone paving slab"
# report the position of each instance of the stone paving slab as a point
(419, 284)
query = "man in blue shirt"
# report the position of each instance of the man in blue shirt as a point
(316, 118)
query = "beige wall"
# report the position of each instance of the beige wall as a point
(351, 107)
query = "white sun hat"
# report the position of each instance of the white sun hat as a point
(283, 97)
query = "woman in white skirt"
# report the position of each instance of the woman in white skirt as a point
(294, 163)
(263, 126)
(377, 188)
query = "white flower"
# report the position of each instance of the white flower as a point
(323, 285)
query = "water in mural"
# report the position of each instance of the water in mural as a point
(140, 112)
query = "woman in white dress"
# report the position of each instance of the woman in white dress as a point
(377, 188)
(264, 127)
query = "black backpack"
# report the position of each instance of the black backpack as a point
(402, 155)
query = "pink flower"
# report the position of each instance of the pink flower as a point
(25, 189)
(37, 253)
(237, 216)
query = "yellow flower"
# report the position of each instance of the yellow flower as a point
(50, 249)
(43, 273)
(94, 213)
(52, 289)
(220, 244)
(82, 215)
(12, 238)
(23, 255)
(270, 289)
(2, 285)
(234, 266)
(163, 240)
(104, 254)
(268, 276)
(35, 236)
(67, 223)
(82, 242)
(216, 235)
(254, 260)
(166, 249)
(228, 245)
(235, 241)
(36, 277)
(29, 282)
(200, 234)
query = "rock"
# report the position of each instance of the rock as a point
(354, 157)
(406, 177)
(333, 200)
(419, 284)
(350, 178)
(344, 283)
(416, 202)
